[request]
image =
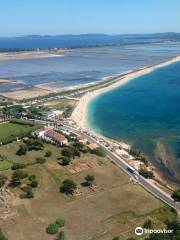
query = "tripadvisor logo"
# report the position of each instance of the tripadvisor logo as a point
(140, 231)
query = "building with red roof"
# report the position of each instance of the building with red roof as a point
(56, 137)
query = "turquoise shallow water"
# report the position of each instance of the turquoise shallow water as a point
(145, 113)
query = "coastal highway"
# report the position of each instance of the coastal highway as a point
(116, 159)
(147, 184)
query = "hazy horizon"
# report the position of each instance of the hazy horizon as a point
(88, 34)
(90, 16)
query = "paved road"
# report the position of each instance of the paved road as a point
(149, 186)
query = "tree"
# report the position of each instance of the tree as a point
(89, 180)
(116, 238)
(2, 236)
(76, 152)
(34, 183)
(148, 224)
(65, 160)
(16, 166)
(175, 226)
(99, 152)
(17, 176)
(28, 191)
(68, 111)
(32, 177)
(136, 153)
(60, 222)
(85, 149)
(78, 145)
(146, 174)
(145, 161)
(175, 235)
(48, 153)
(159, 236)
(2, 180)
(67, 152)
(22, 150)
(53, 228)
(176, 195)
(68, 186)
(34, 144)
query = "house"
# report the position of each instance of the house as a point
(57, 113)
(93, 146)
(52, 114)
(40, 133)
(82, 139)
(56, 137)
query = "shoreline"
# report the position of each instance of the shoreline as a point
(80, 113)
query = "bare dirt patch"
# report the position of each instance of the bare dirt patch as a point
(7, 202)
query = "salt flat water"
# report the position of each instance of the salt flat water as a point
(145, 113)
(83, 65)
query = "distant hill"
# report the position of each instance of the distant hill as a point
(168, 35)
(33, 42)
(66, 35)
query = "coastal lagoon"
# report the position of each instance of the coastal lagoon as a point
(82, 65)
(145, 112)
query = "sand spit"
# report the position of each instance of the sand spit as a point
(7, 81)
(79, 114)
(31, 54)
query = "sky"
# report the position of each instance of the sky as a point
(24, 17)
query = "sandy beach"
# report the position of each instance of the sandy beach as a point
(79, 114)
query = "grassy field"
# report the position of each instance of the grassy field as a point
(113, 207)
(13, 130)
(59, 104)
(4, 165)
(9, 150)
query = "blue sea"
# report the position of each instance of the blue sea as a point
(145, 113)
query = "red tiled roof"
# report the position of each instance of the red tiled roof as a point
(80, 138)
(92, 146)
(55, 136)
